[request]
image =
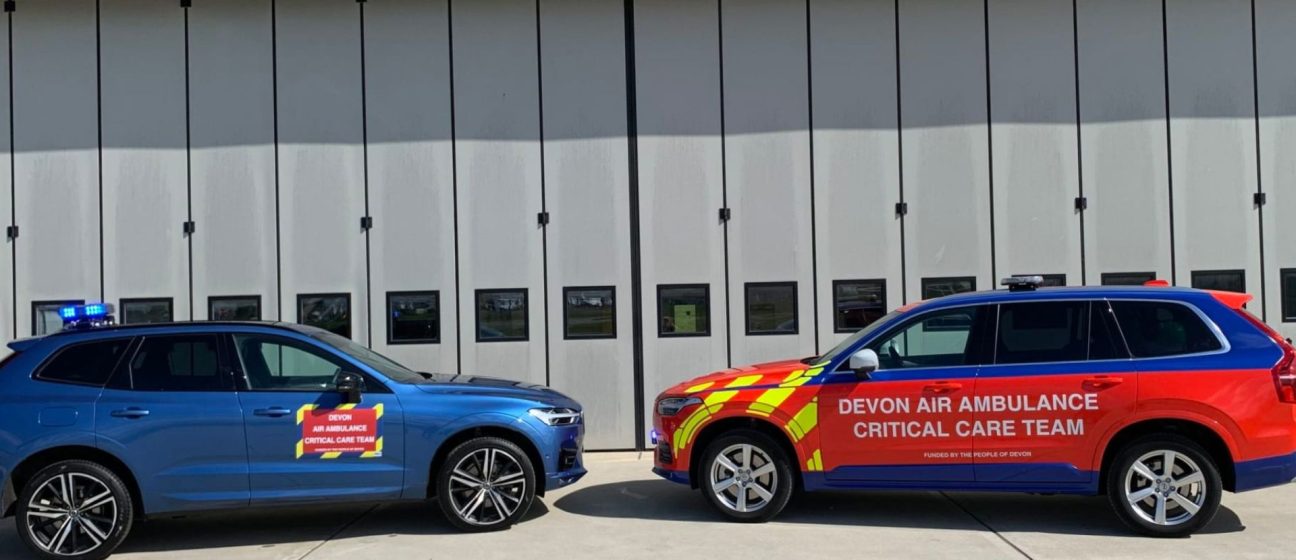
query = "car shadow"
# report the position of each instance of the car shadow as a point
(1076, 515)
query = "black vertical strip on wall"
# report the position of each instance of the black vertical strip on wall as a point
(99, 133)
(1165, 67)
(994, 273)
(724, 186)
(636, 261)
(454, 189)
(904, 279)
(188, 160)
(274, 88)
(814, 233)
(13, 185)
(544, 207)
(364, 163)
(1255, 99)
(1075, 53)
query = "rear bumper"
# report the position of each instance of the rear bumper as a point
(1262, 473)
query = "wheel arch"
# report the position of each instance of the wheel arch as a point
(33, 464)
(516, 437)
(720, 427)
(1214, 444)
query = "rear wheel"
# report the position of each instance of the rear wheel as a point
(1164, 486)
(76, 510)
(486, 484)
(747, 476)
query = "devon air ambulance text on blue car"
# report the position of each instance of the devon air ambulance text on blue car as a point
(104, 424)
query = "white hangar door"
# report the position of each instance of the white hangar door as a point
(321, 177)
(1213, 145)
(1125, 158)
(946, 152)
(56, 162)
(681, 189)
(232, 127)
(767, 161)
(8, 315)
(1277, 96)
(587, 188)
(498, 158)
(145, 168)
(411, 182)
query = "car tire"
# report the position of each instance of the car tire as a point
(747, 476)
(486, 484)
(1161, 502)
(89, 525)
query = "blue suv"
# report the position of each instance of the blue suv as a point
(103, 425)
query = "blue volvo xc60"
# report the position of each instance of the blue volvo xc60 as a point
(102, 425)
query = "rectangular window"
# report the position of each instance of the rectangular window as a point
(938, 287)
(178, 363)
(1127, 278)
(1288, 288)
(1223, 280)
(46, 318)
(413, 317)
(683, 310)
(857, 303)
(1050, 280)
(146, 310)
(771, 308)
(1159, 328)
(1042, 332)
(502, 315)
(589, 312)
(331, 312)
(234, 308)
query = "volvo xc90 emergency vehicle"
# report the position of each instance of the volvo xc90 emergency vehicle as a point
(103, 425)
(1159, 397)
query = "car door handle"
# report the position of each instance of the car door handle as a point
(1103, 381)
(942, 387)
(131, 412)
(273, 412)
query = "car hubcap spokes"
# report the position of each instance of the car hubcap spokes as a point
(487, 486)
(743, 478)
(71, 514)
(1165, 487)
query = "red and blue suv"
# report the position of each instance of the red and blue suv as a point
(1159, 397)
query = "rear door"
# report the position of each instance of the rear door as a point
(1061, 378)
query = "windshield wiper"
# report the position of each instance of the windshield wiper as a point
(810, 360)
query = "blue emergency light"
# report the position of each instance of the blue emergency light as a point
(85, 316)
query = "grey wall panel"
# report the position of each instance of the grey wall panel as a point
(498, 150)
(411, 179)
(56, 163)
(856, 148)
(946, 156)
(1213, 137)
(145, 169)
(1275, 41)
(232, 119)
(1123, 137)
(677, 77)
(768, 164)
(1033, 110)
(321, 179)
(587, 185)
(7, 311)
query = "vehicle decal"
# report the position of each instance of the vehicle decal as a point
(344, 431)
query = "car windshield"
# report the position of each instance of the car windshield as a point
(854, 338)
(390, 369)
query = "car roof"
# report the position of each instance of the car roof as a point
(177, 326)
(1066, 292)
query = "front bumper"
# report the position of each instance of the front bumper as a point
(1263, 473)
(564, 458)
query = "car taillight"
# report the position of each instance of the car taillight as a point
(1284, 372)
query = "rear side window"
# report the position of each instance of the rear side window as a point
(1044, 331)
(179, 363)
(1161, 328)
(91, 363)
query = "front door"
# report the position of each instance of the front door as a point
(304, 443)
(905, 422)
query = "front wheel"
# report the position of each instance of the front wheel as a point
(1164, 486)
(747, 476)
(486, 484)
(76, 510)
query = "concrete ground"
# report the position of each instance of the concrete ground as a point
(622, 511)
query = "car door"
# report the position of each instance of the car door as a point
(304, 443)
(904, 422)
(171, 414)
(1061, 378)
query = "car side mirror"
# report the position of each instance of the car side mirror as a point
(864, 362)
(350, 386)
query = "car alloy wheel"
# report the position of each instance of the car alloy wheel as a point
(744, 478)
(487, 487)
(1165, 487)
(71, 514)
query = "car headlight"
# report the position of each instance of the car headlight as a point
(671, 406)
(557, 416)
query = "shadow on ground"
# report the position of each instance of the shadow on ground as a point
(1073, 515)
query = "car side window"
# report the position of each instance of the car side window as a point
(90, 363)
(1162, 328)
(278, 364)
(1042, 332)
(939, 339)
(179, 363)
